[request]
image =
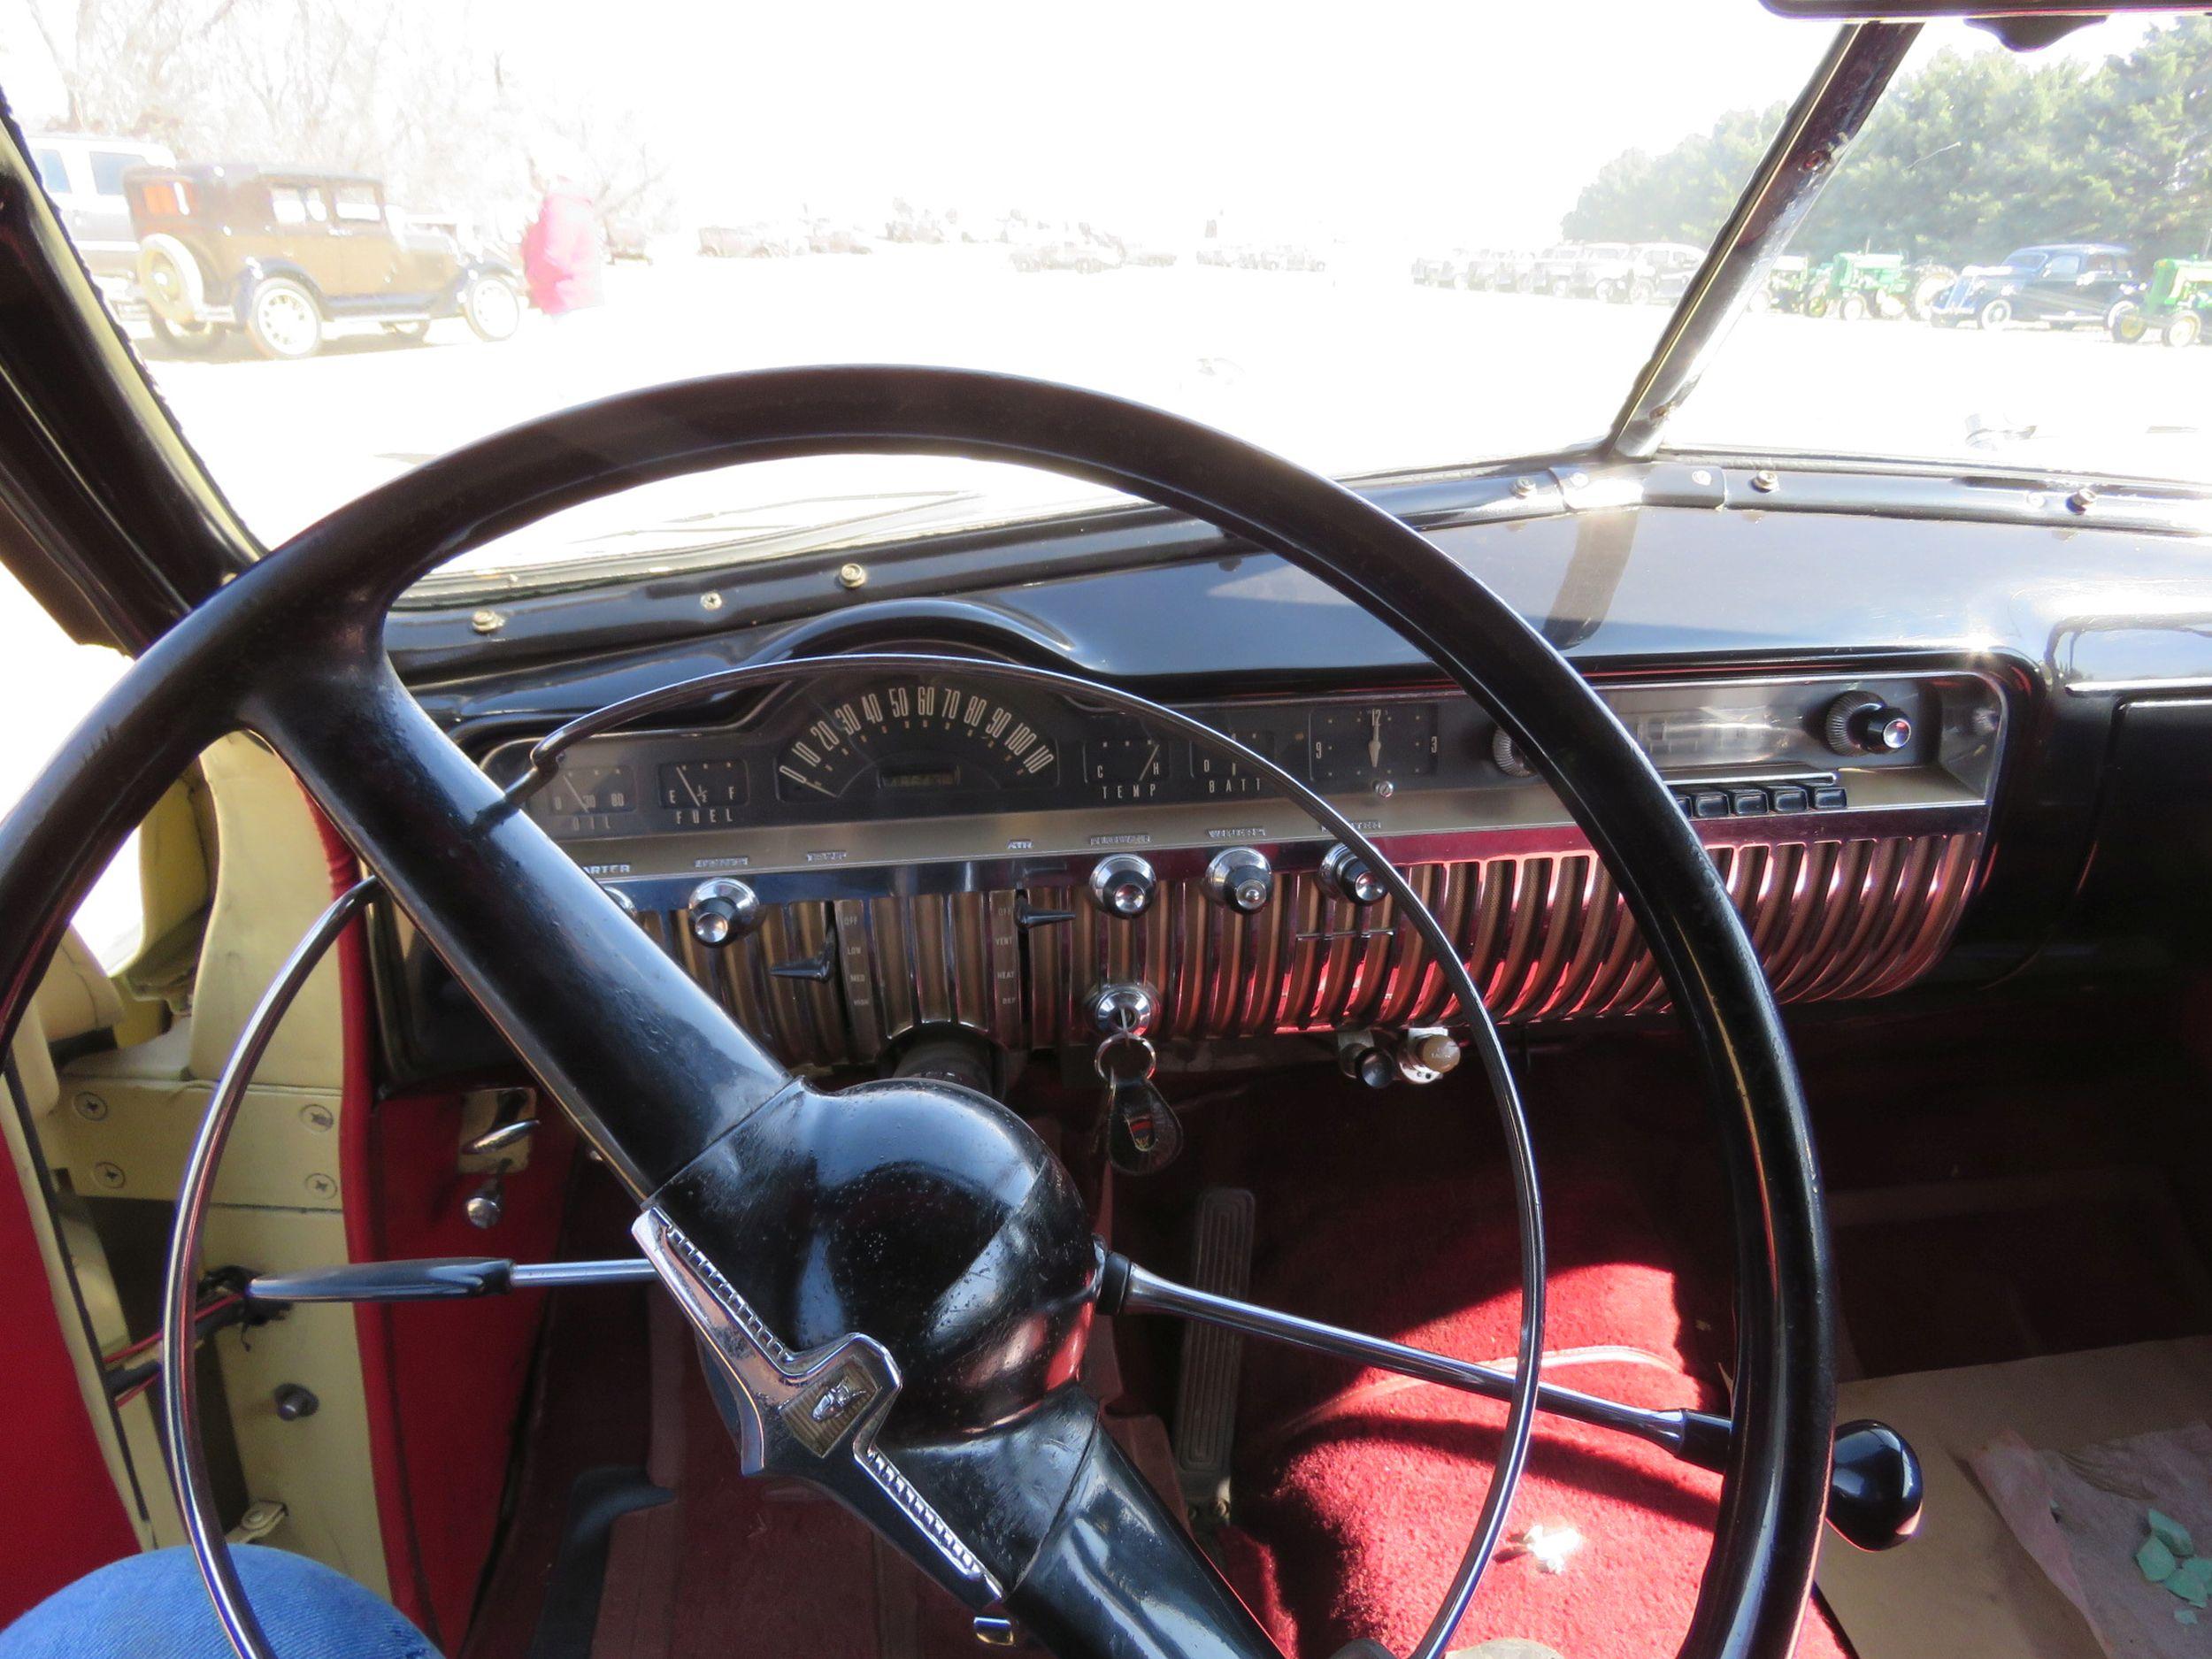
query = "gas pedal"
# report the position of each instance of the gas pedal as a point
(1213, 1359)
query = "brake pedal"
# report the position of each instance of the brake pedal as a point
(1213, 1358)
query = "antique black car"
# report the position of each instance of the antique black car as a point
(286, 256)
(2071, 284)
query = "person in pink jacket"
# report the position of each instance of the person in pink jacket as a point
(561, 251)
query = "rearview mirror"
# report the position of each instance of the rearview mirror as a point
(2022, 24)
(2074, 12)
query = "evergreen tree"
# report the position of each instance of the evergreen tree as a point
(1971, 155)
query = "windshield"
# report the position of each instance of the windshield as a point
(2010, 266)
(1371, 250)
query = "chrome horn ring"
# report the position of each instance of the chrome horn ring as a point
(205, 1533)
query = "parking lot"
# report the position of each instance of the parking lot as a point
(1356, 369)
(1352, 370)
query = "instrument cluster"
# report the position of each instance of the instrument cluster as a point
(875, 747)
(905, 746)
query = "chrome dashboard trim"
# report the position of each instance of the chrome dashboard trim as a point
(873, 931)
(1840, 904)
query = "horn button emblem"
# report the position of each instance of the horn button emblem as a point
(812, 1416)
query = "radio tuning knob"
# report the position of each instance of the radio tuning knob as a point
(1240, 879)
(1506, 754)
(1859, 723)
(1347, 876)
(1123, 885)
(723, 910)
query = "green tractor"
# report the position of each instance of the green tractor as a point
(1929, 282)
(1785, 289)
(2177, 306)
(1856, 286)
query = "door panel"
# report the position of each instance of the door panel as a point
(368, 251)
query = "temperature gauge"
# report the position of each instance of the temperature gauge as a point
(1127, 767)
(1372, 744)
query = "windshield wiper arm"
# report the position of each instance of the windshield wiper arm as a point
(1828, 113)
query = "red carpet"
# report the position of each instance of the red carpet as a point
(1357, 1492)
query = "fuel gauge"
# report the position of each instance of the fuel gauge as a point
(701, 794)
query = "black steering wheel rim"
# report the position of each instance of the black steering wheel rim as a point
(294, 650)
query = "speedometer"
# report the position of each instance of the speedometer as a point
(893, 740)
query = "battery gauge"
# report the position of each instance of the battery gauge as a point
(1215, 774)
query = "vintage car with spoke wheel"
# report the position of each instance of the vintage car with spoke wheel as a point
(859, 957)
(287, 257)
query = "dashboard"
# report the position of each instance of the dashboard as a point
(912, 853)
(2045, 819)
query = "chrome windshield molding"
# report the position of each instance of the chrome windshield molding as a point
(1953, 491)
(813, 1416)
(1827, 115)
(435, 633)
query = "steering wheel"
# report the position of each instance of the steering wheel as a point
(915, 1261)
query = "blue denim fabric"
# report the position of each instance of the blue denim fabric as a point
(154, 1607)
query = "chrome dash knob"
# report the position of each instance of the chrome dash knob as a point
(1347, 876)
(722, 909)
(1241, 878)
(1123, 885)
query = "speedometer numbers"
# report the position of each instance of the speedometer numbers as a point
(909, 739)
(853, 750)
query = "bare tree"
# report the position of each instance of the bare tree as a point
(129, 66)
(412, 91)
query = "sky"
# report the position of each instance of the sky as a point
(1406, 113)
(1396, 119)
(1396, 115)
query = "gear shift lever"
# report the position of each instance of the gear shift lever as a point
(1874, 1491)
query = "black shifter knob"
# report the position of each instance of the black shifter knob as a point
(1874, 1492)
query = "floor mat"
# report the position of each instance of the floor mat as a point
(1364, 1489)
(1965, 1585)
